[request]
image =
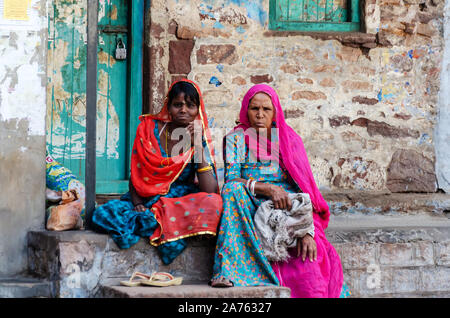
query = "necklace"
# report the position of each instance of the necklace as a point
(167, 146)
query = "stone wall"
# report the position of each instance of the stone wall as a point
(22, 132)
(400, 262)
(362, 102)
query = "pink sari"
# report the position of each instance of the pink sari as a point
(323, 277)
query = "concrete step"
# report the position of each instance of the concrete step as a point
(193, 290)
(25, 287)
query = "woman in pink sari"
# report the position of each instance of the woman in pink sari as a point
(252, 175)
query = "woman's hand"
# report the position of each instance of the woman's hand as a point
(307, 247)
(191, 132)
(140, 208)
(279, 197)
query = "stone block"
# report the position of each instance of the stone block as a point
(217, 53)
(357, 255)
(78, 253)
(327, 82)
(350, 85)
(337, 121)
(442, 253)
(407, 254)
(410, 171)
(258, 79)
(363, 283)
(79, 262)
(400, 280)
(309, 95)
(180, 56)
(435, 279)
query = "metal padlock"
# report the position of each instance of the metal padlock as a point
(121, 51)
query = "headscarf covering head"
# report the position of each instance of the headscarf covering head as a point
(292, 155)
(151, 172)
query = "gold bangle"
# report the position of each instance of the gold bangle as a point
(204, 169)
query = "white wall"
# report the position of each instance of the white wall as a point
(23, 79)
(442, 133)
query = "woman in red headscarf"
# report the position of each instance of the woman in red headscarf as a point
(265, 159)
(171, 150)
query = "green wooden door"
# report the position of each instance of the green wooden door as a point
(66, 92)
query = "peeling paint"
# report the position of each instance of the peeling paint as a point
(66, 106)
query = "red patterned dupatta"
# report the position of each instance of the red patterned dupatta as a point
(151, 173)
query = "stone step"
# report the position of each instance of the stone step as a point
(393, 256)
(382, 256)
(82, 261)
(25, 287)
(193, 290)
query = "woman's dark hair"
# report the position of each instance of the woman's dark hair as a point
(190, 93)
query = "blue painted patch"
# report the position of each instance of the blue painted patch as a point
(423, 138)
(240, 30)
(410, 54)
(380, 96)
(255, 8)
(220, 68)
(388, 96)
(240, 42)
(218, 25)
(214, 80)
(209, 14)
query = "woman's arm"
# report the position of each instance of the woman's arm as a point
(136, 199)
(207, 181)
(276, 193)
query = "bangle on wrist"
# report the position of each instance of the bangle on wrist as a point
(252, 187)
(204, 169)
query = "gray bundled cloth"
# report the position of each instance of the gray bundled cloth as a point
(278, 230)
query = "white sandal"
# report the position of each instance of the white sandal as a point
(162, 279)
(133, 283)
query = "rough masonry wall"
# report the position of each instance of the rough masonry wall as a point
(364, 103)
(22, 133)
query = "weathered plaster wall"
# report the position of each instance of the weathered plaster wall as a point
(365, 103)
(443, 127)
(22, 133)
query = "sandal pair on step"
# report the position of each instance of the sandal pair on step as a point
(159, 279)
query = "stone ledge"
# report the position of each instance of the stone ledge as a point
(25, 287)
(352, 39)
(386, 203)
(194, 291)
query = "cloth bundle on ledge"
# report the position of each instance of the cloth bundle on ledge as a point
(278, 230)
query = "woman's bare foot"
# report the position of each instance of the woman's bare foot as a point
(221, 282)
